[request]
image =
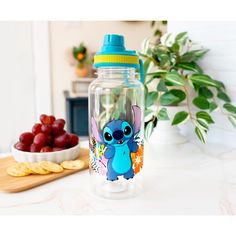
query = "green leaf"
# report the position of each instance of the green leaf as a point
(200, 134)
(205, 92)
(203, 124)
(174, 78)
(204, 115)
(161, 86)
(175, 47)
(164, 60)
(146, 65)
(166, 38)
(162, 114)
(181, 39)
(230, 108)
(193, 55)
(232, 119)
(145, 90)
(194, 86)
(223, 96)
(75, 53)
(212, 106)
(158, 73)
(190, 66)
(116, 114)
(147, 112)
(145, 45)
(180, 36)
(157, 52)
(151, 99)
(148, 130)
(148, 115)
(179, 94)
(220, 84)
(155, 75)
(169, 84)
(201, 103)
(150, 80)
(168, 99)
(180, 118)
(173, 58)
(202, 79)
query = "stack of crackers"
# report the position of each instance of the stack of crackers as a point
(43, 168)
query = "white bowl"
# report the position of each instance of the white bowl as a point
(57, 157)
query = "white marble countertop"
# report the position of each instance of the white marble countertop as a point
(188, 178)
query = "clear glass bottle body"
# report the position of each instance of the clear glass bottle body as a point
(116, 133)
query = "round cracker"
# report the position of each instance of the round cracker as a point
(73, 165)
(18, 170)
(37, 169)
(51, 166)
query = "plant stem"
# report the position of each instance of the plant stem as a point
(157, 107)
(187, 98)
(188, 104)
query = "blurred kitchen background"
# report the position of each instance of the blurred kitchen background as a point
(39, 72)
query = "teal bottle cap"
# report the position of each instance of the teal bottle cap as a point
(114, 54)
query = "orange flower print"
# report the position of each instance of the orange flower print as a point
(137, 159)
(140, 150)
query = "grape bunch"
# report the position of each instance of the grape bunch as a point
(47, 136)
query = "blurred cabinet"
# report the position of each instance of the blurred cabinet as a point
(77, 115)
(77, 106)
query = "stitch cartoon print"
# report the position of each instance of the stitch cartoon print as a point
(119, 139)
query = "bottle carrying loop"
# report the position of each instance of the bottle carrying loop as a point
(141, 70)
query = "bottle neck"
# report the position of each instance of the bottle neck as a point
(119, 73)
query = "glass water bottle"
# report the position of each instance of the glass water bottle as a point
(116, 122)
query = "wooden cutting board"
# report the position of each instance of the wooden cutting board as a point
(17, 184)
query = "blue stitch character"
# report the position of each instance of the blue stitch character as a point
(118, 137)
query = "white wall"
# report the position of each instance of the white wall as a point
(17, 97)
(220, 38)
(65, 35)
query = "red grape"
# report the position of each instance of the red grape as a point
(46, 149)
(26, 138)
(52, 119)
(44, 119)
(36, 128)
(74, 139)
(56, 149)
(57, 128)
(49, 140)
(47, 129)
(40, 139)
(49, 136)
(62, 141)
(47, 120)
(60, 121)
(22, 147)
(34, 148)
(58, 133)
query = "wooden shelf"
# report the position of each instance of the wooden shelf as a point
(83, 80)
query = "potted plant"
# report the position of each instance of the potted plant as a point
(81, 56)
(181, 84)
